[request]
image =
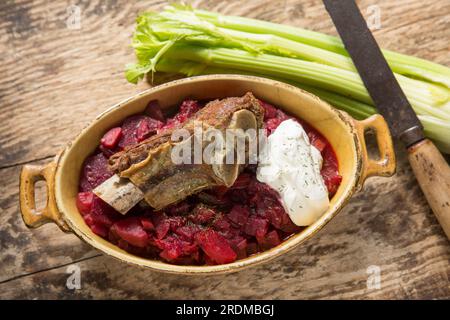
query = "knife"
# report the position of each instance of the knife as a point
(429, 166)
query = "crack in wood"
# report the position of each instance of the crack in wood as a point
(26, 162)
(48, 269)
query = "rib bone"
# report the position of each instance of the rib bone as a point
(149, 166)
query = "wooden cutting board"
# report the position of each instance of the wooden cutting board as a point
(56, 78)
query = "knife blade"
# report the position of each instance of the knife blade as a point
(375, 73)
(428, 164)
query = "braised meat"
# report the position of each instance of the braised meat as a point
(150, 167)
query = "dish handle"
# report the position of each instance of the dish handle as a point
(32, 217)
(385, 165)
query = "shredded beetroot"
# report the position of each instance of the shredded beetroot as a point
(269, 110)
(256, 226)
(239, 214)
(188, 232)
(95, 172)
(330, 171)
(147, 224)
(84, 202)
(138, 128)
(173, 247)
(317, 140)
(202, 215)
(213, 227)
(240, 247)
(187, 109)
(153, 110)
(162, 225)
(99, 229)
(215, 246)
(146, 128)
(241, 182)
(269, 240)
(129, 128)
(132, 231)
(272, 124)
(111, 138)
(101, 213)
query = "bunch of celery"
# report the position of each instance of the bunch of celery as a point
(193, 42)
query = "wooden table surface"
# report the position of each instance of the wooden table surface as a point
(56, 79)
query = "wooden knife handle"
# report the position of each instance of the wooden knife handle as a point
(433, 174)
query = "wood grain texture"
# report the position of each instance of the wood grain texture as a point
(23, 251)
(55, 80)
(433, 175)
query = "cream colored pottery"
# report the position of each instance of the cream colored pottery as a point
(344, 133)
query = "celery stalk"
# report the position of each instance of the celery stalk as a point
(196, 42)
(403, 64)
(435, 129)
(425, 98)
(156, 31)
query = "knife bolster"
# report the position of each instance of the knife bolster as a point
(412, 136)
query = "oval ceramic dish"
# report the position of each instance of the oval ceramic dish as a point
(345, 134)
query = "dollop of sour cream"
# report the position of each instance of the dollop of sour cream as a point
(291, 165)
